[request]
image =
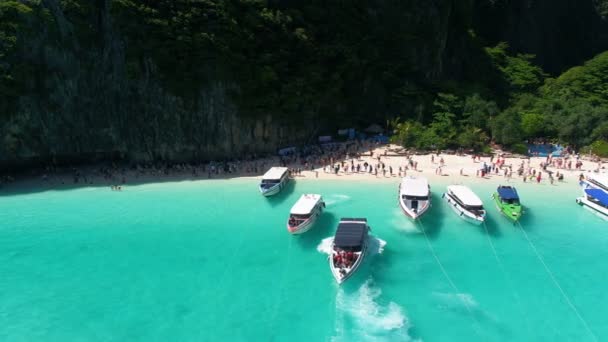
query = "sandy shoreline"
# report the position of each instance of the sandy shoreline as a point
(437, 168)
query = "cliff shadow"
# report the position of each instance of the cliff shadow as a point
(91, 177)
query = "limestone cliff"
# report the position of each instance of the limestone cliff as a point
(94, 87)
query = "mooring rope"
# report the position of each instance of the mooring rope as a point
(561, 290)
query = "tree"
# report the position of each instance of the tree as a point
(478, 112)
(532, 124)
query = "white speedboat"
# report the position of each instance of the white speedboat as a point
(348, 248)
(595, 181)
(596, 199)
(465, 203)
(414, 196)
(274, 181)
(304, 213)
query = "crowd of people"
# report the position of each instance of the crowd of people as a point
(347, 158)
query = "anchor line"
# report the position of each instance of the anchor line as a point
(504, 271)
(561, 290)
(447, 276)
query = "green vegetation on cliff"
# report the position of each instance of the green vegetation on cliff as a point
(192, 79)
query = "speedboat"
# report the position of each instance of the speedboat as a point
(274, 181)
(348, 248)
(596, 199)
(465, 203)
(304, 213)
(507, 202)
(414, 196)
(594, 181)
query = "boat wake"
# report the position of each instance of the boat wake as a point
(464, 303)
(360, 316)
(456, 301)
(376, 245)
(332, 200)
(404, 224)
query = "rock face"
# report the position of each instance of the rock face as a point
(85, 104)
(89, 109)
(561, 33)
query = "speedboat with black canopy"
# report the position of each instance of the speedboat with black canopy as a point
(414, 196)
(507, 202)
(595, 199)
(465, 203)
(348, 248)
(274, 181)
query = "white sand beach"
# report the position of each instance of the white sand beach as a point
(455, 168)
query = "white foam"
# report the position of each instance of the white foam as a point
(376, 245)
(404, 224)
(336, 199)
(456, 300)
(366, 318)
(325, 245)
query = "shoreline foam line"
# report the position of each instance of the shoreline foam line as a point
(507, 278)
(449, 279)
(572, 306)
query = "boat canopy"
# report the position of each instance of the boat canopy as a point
(351, 232)
(305, 204)
(599, 194)
(411, 186)
(275, 173)
(465, 195)
(507, 193)
(600, 180)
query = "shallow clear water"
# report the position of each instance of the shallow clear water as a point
(212, 260)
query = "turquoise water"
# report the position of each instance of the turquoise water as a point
(212, 261)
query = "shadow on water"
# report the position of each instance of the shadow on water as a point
(527, 219)
(491, 227)
(432, 221)
(323, 228)
(279, 198)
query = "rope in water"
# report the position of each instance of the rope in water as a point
(447, 276)
(507, 278)
(561, 290)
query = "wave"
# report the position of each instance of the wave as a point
(361, 317)
(464, 303)
(375, 246)
(336, 199)
(404, 224)
(456, 301)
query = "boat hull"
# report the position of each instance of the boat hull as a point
(511, 212)
(273, 190)
(409, 212)
(308, 224)
(461, 212)
(597, 208)
(335, 271)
